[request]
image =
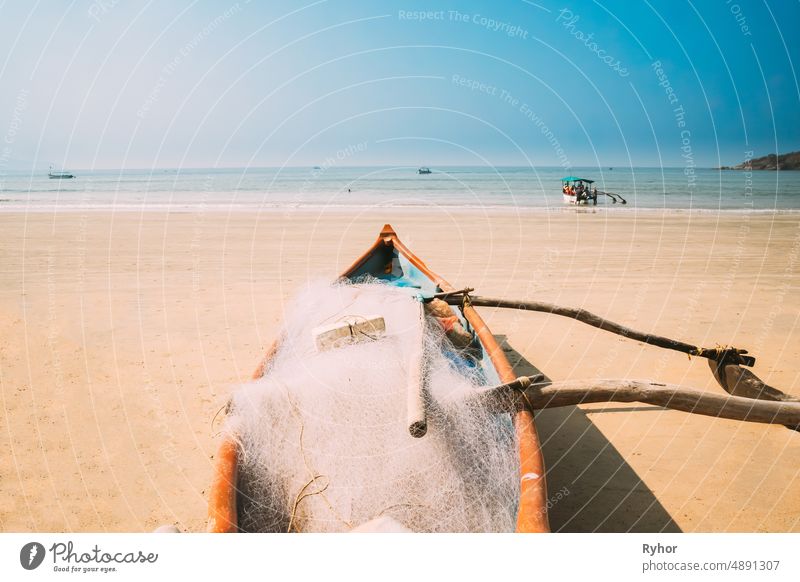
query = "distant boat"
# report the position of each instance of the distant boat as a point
(59, 175)
(580, 191)
(424, 171)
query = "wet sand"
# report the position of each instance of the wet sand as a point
(122, 334)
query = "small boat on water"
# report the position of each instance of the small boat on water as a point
(579, 191)
(391, 262)
(53, 175)
(424, 171)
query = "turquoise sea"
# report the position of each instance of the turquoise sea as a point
(326, 186)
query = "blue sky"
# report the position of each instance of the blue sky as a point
(110, 84)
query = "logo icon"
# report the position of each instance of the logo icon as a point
(31, 555)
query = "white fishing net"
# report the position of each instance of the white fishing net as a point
(324, 436)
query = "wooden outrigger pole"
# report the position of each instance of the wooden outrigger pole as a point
(751, 399)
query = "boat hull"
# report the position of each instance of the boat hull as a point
(572, 199)
(389, 259)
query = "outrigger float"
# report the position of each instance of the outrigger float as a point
(388, 259)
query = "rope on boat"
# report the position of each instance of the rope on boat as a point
(302, 495)
(314, 476)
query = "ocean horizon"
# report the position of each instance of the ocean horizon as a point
(503, 187)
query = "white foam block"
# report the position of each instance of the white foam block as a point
(352, 329)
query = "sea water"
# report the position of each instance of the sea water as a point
(343, 187)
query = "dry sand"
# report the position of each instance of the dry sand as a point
(121, 336)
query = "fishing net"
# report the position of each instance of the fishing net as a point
(324, 440)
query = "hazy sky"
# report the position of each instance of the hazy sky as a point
(112, 84)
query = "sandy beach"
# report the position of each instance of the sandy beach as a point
(122, 335)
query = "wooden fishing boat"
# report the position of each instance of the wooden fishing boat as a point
(390, 260)
(577, 190)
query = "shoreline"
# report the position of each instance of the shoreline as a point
(346, 208)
